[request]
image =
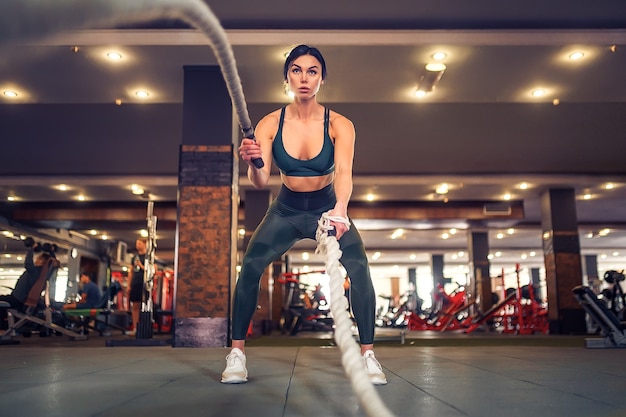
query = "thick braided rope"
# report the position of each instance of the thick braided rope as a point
(350, 351)
(35, 19)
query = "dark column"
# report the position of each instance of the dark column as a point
(535, 279)
(436, 266)
(561, 248)
(255, 206)
(207, 212)
(413, 277)
(590, 271)
(478, 249)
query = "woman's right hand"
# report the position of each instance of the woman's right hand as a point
(249, 150)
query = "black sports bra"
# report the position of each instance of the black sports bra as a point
(321, 164)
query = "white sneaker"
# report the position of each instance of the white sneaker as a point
(235, 372)
(374, 370)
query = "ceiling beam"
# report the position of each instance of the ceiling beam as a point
(174, 37)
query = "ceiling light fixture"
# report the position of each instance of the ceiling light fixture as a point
(114, 56)
(429, 78)
(439, 56)
(142, 94)
(538, 92)
(9, 93)
(442, 189)
(609, 186)
(398, 233)
(575, 56)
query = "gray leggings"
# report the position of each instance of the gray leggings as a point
(292, 217)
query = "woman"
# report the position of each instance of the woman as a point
(313, 148)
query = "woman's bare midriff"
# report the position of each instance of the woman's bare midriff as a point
(306, 184)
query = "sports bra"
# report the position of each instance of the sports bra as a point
(321, 164)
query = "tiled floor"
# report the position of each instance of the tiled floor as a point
(60, 378)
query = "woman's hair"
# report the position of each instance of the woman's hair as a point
(300, 50)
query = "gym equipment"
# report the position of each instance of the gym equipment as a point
(34, 313)
(328, 246)
(450, 312)
(518, 313)
(614, 295)
(612, 328)
(27, 19)
(143, 335)
(89, 317)
(298, 313)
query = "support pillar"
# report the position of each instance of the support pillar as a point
(436, 266)
(561, 248)
(207, 212)
(478, 249)
(590, 272)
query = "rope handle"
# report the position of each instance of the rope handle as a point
(324, 224)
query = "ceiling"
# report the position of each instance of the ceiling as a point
(480, 131)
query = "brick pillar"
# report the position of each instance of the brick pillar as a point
(207, 213)
(561, 249)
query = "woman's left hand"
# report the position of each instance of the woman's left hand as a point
(340, 228)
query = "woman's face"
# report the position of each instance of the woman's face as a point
(305, 76)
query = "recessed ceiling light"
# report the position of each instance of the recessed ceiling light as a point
(420, 93)
(538, 92)
(81, 197)
(114, 56)
(522, 186)
(93, 232)
(442, 189)
(587, 196)
(439, 56)
(574, 56)
(11, 198)
(609, 186)
(10, 93)
(435, 66)
(142, 94)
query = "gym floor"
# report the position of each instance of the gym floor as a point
(430, 374)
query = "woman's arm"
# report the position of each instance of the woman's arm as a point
(343, 132)
(261, 148)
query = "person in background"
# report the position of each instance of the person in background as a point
(136, 287)
(89, 292)
(32, 270)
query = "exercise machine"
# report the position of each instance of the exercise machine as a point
(612, 329)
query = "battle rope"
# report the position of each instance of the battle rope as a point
(328, 246)
(24, 19)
